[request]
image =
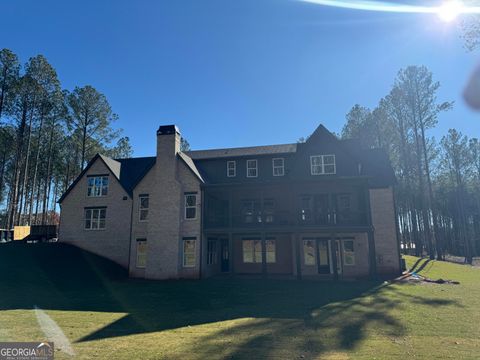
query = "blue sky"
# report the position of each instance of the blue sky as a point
(237, 73)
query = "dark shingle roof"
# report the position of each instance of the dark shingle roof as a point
(133, 170)
(127, 171)
(243, 151)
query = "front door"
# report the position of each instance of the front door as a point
(224, 255)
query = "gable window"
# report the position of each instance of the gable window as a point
(211, 252)
(252, 168)
(190, 206)
(348, 252)
(322, 164)
(95, 218)
(189, 245)
(141, 253)
(278, 167)
(97, 185)
(231, 168)
(143, 207)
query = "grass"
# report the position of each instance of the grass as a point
(105, 315)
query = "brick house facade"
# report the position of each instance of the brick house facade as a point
(323, 208)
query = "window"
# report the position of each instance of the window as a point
(252, 170)
(189, 245)
(269, 210)
(278, 167)
(251, 211)
(143, 207)
(95, 218)
(190, 206)
(348, 252)
(141, 253)
(252, 250)
(231, 168)
(306, 208)
(211, 252)
(309, 252)
(271, 251)
(97, 186)
(322, 164)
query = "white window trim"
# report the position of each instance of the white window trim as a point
(278, 167)
(140, 208)
(234, 168)
(256, 168)
(190, 207)
(194, 252)
(322, 165)
(136, 260)
(93, 187)
(99, 228)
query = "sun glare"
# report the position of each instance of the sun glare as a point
(450, 10)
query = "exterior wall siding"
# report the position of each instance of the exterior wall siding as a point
(383, 219)
(112, 242)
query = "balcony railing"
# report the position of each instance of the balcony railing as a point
(287, 218)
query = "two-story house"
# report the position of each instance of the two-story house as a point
(322, 208)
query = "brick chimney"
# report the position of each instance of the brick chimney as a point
(168, 145)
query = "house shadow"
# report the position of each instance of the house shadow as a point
(283, 312)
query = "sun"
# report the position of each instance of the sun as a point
(450, 10)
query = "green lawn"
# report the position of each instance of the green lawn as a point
(104, 315)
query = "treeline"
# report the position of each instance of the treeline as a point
(438, 189)
(47, 136)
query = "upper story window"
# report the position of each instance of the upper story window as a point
(143, 207)
(252, 168)
(190, 206)
(231, 168)
(278, 166)
(97, 185)
(322, 164)
(95, 218)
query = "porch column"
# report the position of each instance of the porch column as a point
(231, 255)
(333, 249)
(296, 239)
(373, 256)
(264, 254)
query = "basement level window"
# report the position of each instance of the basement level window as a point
(97, 185)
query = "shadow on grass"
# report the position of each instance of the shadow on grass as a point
(309, 316)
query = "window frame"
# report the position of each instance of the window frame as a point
(91, 189)
(234, 168)
(139, 241)
(212, 252)
(251, 168)
(184, 241)
(282, 167)
(97, 218)
(185, 196)
(140, 209)
(346, 253)
(322, 165)
(314, 242)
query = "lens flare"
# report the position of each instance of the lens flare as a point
(447, 11)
